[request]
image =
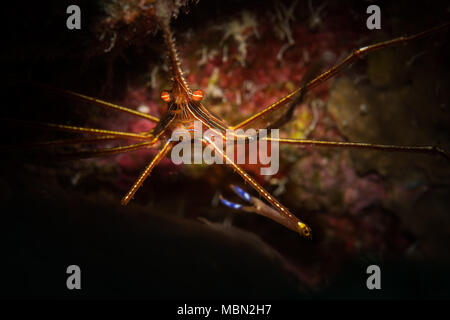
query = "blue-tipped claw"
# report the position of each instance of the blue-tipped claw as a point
(241, 193)
(230, 204)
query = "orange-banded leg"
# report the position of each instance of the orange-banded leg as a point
(89, 153)
(66, 142)
(282, 214)
(93, 131)
(168, 145)
(87, 140)
(108, 151)
(336, 69)
(368, 146)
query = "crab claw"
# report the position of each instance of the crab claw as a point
(230, 204)
(259, 207)
(241, 193)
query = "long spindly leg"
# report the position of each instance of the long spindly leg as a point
(336, 69)
(104, 152)
(84, 140)
(108, 151)
(282, 214)
(99, 102)
(98, 132)
(168, 145)
(368, 146)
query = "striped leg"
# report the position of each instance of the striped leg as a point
(98, 102)
(282, 214)
(336, 69)
(254, 204)
(98, 132)
(147, 172)
(66, 142)
(108, 151)
(368, 146)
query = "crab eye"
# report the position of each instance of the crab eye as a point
(197, 95)
(165, 96)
